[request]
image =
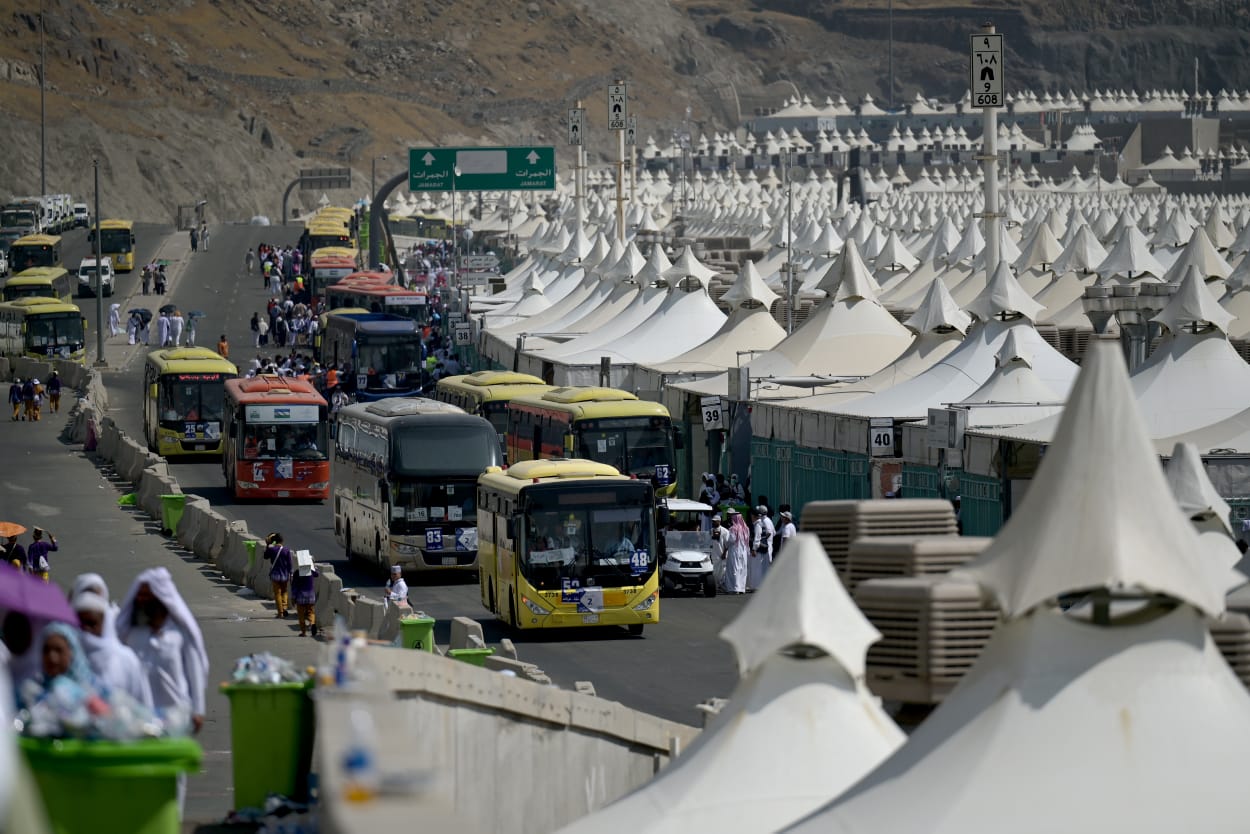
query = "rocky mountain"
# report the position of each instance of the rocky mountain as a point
(224, 100)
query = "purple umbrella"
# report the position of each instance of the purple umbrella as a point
(33, 597)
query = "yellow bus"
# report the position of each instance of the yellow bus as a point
(601, 424)
(183, 401)
(42, 328)
(117, 240)
(34, 250)
(487, 393)
(567, 543)
(41, 282)
(329, 233)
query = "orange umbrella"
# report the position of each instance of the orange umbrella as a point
(9, 529)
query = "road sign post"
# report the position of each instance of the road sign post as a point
(618, 120)
(618, 106)
(524, 168)
(577, 116)
(986, 70)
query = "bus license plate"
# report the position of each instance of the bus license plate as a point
(200, 447)
(449, 561)
(282, 493)
(590, 619)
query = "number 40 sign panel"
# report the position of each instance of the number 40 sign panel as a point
(986, 71)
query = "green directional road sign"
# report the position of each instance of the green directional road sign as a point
(522, 168)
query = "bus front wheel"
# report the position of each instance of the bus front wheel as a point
(490, 596)
(635, 629)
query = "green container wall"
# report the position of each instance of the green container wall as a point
(981, 505)
(921, 481)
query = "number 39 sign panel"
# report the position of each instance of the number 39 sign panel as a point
(713, 416)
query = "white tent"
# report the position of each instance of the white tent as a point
(800, 727)
(1157, 720)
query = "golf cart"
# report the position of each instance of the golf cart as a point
(686, 551)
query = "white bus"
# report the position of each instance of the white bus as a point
(404, 481)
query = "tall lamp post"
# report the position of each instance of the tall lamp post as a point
(455, 238)
(100, 362)
(789, 174)
(43, 142)
(373, 175)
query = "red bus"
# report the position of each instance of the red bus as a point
(276, 440)
(374, 292)
(328, 266)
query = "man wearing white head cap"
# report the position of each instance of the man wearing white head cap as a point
(396, 587)
(156, 623)
(116, 665)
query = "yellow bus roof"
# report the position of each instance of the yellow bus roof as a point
(523, 474)
(577, 394)
(593, 409)
(333, 252)
(40, 273)
(32, 305)
(326, 223)
(482, 379)
(115, 223)
(406, 406)
(190, 360)
(22, 279)
(37, 240)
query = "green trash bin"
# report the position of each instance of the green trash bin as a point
(171, 512)
(91, 786)
(271, 740)
(475, 656)
(252, 546)
(417, 633)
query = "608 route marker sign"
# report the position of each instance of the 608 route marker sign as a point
(986, 71)
(618, 106)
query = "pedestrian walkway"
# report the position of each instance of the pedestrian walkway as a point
(59, 488)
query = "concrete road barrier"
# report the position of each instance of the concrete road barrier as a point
(466, 633)
(192, 517)
(153, 483)
(329, 586)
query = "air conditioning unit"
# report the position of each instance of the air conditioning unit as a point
(933, 629)
(890, 557)
(839, 523)
(1232, 637)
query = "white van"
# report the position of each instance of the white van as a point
(82, 215)
(86, 276)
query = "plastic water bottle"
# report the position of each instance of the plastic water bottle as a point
(360, 760)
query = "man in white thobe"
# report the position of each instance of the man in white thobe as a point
(116, 665)
(176, 322)
(162, 330)
(115, 319)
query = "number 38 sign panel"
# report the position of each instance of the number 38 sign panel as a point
(713, 414)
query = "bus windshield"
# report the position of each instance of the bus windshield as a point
(24, 218)
(115, 240)
(597, 536)
(415, 504)
(24, 256)
(634, 445)
(389, 356)
(299, 441)
(191, 398)
(439, 450)
(54, 332)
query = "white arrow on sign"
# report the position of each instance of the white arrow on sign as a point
(533, 157)
(428, 159)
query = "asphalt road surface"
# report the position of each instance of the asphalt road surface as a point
(675, 665)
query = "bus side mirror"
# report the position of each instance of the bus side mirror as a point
(91, 236)
(152, 390)
(568, 446)
(510, 529)
(679, 440)
(384, 491)
(232, 431)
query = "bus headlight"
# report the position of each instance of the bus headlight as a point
(247, 485)
(406, 549)
(321, 485)
(534, 607)
(646, 604)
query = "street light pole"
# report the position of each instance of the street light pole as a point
(99, 277)
(43, 132)
(789, 172)
(373, 174)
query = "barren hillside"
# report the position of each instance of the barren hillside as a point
(224, 99)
